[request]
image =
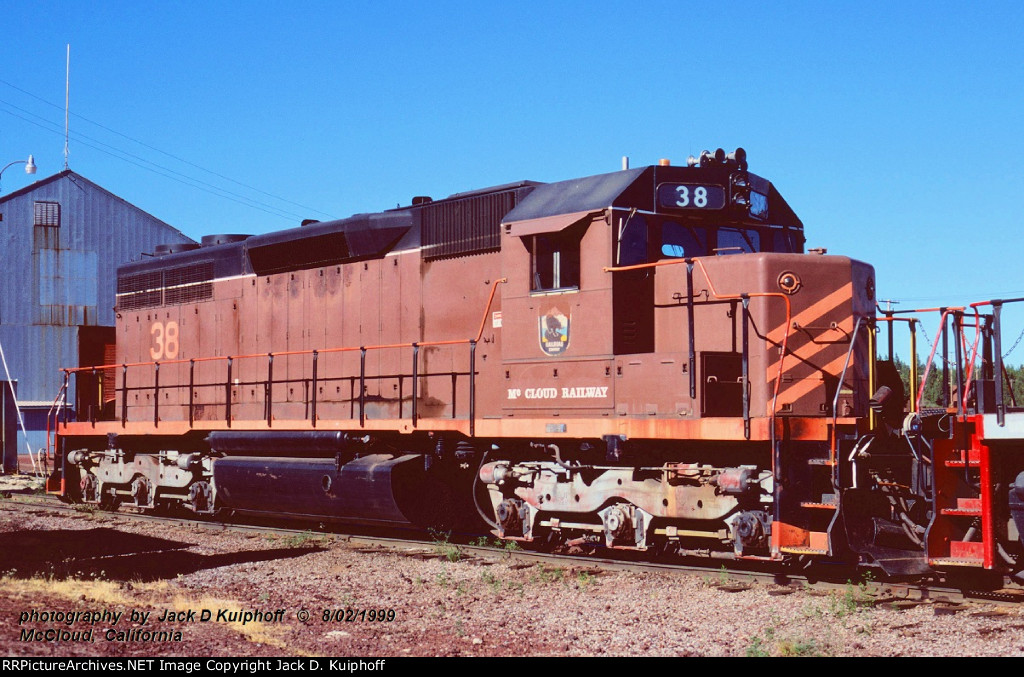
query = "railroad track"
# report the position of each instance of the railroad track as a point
(727, 575)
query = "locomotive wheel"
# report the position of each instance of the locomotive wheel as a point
(545, 540)
(109, 500)
(665, 551)
(89, 487)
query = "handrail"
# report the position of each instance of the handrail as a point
(965, 395)
(935, 346)
(54, 411)
(833, 441)
(911, 322)
(997, 358)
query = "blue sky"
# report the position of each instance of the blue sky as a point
(893, 129)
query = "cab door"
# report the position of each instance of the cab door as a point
(633, 291)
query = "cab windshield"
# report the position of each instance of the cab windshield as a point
(645, 237)
(680, 240)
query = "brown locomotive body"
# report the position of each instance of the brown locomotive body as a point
(638, 359)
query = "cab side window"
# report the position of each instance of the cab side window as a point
(555, 261)
(633, 241)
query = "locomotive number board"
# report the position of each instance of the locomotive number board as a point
(691, 196)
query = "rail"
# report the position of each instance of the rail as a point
(311, 384)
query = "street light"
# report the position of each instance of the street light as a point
(30, 166)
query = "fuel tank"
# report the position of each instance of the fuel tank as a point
(376, 489)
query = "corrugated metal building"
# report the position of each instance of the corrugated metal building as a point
(62, 240)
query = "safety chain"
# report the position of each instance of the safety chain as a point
(1015, 344)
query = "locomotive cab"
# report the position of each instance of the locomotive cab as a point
(653, 318)
(607, 278)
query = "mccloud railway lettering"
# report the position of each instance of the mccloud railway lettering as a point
(576, 393)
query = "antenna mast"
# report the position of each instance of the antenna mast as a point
(67, 97)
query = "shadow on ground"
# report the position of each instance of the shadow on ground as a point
(110, 554)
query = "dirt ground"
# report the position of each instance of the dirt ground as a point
(88, 583)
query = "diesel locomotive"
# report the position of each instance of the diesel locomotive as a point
(645, 360)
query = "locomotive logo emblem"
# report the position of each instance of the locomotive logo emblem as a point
(554, 332)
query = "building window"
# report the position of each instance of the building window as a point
(47, 214)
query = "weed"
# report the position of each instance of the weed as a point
(443, 579)
(511, 546)
(444, 548)
(585, 578)
(461, 588)
(491, 580)
(811, 610)
(304, 540)
(795, 648)
(850, 601)
(756, 648)
(420, 581)
(450, 552)
(723, 576)
(769, 644)
(544, 575)
(759, 646)
(459, 630)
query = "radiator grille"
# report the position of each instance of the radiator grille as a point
(468, 226)
(185, 284)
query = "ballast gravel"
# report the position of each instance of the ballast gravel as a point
(214, 592)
